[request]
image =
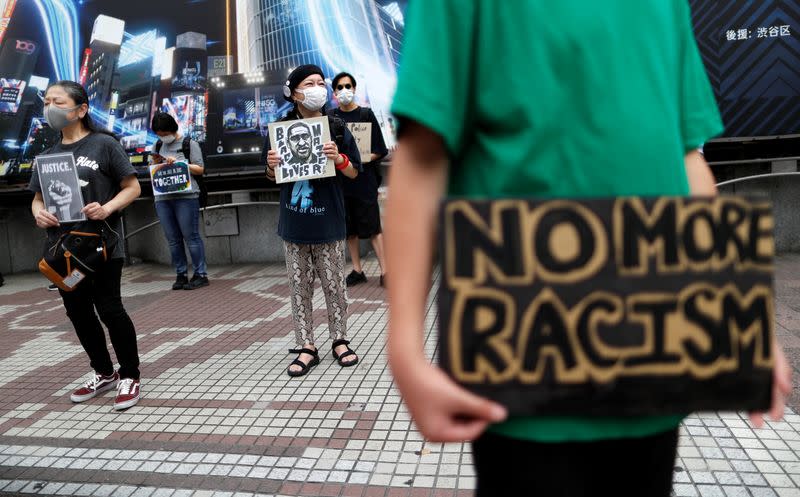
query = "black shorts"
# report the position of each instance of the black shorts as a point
(363, 218)
(635, 467)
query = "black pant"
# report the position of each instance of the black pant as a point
(635, 467)
(101, 291)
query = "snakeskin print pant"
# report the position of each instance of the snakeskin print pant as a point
(327, 261)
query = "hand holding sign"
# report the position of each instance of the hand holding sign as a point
(273, 161)
(45, 219)
(781, 388)
(442, 410)
(96, 211)
(331, 151)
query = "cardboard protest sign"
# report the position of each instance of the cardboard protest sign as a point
(61, 188)
(170, 178)
(299, 144)
(623, 306)
(362, 132)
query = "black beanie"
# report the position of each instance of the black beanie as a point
(297, 76)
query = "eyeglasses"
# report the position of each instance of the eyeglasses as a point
(346, 85)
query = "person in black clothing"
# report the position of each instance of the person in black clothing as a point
(361, 195)
(108, 185)
(312, 226)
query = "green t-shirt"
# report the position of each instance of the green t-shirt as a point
(573, 98)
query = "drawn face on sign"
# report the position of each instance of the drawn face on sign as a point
(299, 137)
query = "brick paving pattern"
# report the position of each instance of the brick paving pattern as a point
(220, 418)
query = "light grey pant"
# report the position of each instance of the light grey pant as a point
(327, 261)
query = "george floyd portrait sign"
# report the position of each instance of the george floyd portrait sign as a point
(624, 306)
(299, 144)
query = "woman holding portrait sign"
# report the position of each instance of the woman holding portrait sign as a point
(310, 167)
(106, 181)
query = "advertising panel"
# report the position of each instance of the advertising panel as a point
(751, 51)
(164, 54)
(10, 95)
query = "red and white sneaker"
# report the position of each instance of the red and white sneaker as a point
(96, 385)
(127, 394)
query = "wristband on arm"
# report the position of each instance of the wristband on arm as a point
(344, 164)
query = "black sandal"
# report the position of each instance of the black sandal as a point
(346, 354)
(305, 368)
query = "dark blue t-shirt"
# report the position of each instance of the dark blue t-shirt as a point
(312, 211)
(365, 185)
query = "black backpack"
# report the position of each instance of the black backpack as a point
(186, 150)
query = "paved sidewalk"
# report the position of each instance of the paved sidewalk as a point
(219, 416)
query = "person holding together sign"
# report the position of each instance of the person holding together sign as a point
(177, 206)
(108, 184)
(526, 99)
(361, 195)
(312, 213)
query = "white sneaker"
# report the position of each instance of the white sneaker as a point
(127, 394)
(96, 385)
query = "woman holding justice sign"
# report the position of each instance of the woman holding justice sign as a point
(312, 219)
(108, 184)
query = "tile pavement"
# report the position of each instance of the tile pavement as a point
(220, 418)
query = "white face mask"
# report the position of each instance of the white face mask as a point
(166, 140)
(315, 97)
(345, 96)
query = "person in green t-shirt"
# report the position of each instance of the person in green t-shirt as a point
(573, 98)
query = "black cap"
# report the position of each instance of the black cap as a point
(297, 76)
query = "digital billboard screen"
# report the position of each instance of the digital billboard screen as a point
(191, 67)
(11, 91)
(125, 43)
(190, 113)
(249, 110)
(751, 51)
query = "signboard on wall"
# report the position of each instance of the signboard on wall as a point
(751, 51)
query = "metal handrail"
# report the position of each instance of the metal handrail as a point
(270, 202)
(751, 161)
(207, 208)
(757, 176)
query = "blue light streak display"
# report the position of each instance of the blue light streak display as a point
(60, 25)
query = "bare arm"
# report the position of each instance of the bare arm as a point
(130, 190)
(418, 177)
(194, 169)
(442, 410)
(331, 151)
(350, 171)
(701, 181)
